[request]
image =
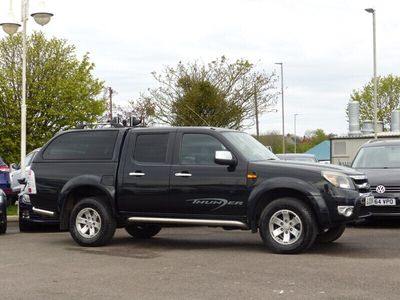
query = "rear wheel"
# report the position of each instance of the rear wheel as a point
(142, 231)
(331, 235)
(287, 226)
(92, 223)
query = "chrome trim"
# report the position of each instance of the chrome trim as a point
(183, 175)
(201, 222)
(43, 212)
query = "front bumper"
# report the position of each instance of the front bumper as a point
(339, 199)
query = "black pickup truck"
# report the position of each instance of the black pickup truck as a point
(95, 180)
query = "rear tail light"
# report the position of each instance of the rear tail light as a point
(4, 169)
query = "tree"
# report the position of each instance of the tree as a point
(217, 94)
(388, 95)
(61, 91)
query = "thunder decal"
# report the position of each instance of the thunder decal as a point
(215, 201)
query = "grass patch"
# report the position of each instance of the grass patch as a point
(12, 210)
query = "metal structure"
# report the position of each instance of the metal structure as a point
(283, 109)
(373, 12)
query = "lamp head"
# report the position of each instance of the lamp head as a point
(11, 25)
(10, 28)
(42, 18)
(370, 10)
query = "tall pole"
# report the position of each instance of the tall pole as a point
(24, 14)
(283, 110)
(256, 112)
(372, 11)
(110, 91)
(295, 139)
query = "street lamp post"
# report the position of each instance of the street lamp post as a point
(372, 11)
(295, 136)
(10, 26)
(283, 109)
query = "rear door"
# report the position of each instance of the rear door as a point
(144, 179)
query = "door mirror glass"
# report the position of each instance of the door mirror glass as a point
(223, 157)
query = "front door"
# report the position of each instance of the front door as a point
(200, 187)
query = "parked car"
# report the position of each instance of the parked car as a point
(380, 161)
(15, 172)
(29, 220)
(3, 212)
(144, 178)
(298, 157)
(5, 181)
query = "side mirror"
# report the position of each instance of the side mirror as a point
(15, 166)
(224, 158)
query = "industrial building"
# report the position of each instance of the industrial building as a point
(345, 148)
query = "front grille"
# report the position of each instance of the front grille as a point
(388, 189)
(361, 183)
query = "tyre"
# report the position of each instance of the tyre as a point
(142, 231)
(330, 235)
(91, 223)
(25, 227)
(287, 226)
(3, 224)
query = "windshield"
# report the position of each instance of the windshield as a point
(248, 146)
(384, 157)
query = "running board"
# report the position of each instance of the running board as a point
(200, 222)
(43, 212)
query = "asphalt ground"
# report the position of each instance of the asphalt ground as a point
(200, 263)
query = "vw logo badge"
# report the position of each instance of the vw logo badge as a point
(380, 189)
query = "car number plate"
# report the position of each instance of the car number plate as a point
(369, 200)
(384, 201)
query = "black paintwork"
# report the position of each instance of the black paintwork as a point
(213, 191)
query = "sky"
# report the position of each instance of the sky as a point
(325, 46)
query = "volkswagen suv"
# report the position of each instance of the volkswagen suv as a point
(380, 161)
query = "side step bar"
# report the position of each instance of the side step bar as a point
(200, 222)
(43, 212)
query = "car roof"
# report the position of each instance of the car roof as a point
(380, 143)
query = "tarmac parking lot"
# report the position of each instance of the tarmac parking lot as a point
(200, 263)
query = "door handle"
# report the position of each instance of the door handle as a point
(183, 175)
(137, 173)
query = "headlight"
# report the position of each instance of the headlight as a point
(338, 179)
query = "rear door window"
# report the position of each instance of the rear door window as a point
(151, 148)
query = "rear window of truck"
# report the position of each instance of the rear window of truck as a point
(82, 145)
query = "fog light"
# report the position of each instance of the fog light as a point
(346, 211)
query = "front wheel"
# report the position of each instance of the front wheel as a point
(142, 231)
(330, 235)
(92, 223)
(287, 226)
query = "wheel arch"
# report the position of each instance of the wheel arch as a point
(283, 187)
(79, 188)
